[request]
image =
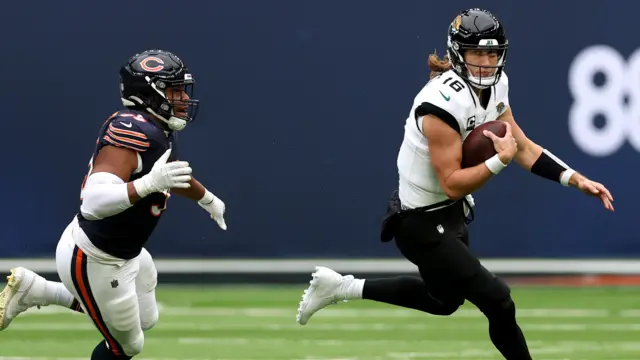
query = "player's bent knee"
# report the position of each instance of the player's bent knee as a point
(133, 348)
(508, 308)
(495, 300)
(448, 309)
(454, 305)
(449, 305)
(150, 320)
(501, 309)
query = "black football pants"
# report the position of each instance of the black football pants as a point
(437, 243)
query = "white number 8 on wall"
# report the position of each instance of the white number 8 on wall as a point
(622, 79)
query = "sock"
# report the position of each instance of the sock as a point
(351, 289)
(75, 306)
(406, 291)
(57, 294)
(102, 352)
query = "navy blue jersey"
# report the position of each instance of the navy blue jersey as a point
(123, 235)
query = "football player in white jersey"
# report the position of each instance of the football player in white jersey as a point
(428, 215)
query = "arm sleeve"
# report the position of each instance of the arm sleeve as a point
(104, 195)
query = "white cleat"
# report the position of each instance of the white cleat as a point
(23, 286)
(325, 287)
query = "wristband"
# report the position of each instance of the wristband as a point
(566, 175)
(549, 166)
(494, 164)
(142, 186)
(207, 198)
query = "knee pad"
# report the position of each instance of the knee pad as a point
(133, 348)
(148, 310)
(149, 319)
(147, 278)
(122, 315)
(494, 299)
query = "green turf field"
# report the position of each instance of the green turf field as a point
(259, 323)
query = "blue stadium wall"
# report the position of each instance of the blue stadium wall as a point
(302, 114)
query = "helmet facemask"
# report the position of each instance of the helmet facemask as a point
(176, 112)
(456, 51)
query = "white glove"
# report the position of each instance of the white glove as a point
(164, 176)
(215, 207)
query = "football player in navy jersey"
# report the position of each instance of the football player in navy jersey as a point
(106, 273)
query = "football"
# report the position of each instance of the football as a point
(477, 148)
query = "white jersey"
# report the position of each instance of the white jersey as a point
(450, 98)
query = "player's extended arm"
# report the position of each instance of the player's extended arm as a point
(206, 199)
(542, 162)
(539, 161)
(108, 191)
(445, 147)
(196, 192)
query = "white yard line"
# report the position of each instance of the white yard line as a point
(353, 313)
(195, 326)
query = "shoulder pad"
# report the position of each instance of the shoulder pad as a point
(126, 131)
(449, 92)
(447, 97)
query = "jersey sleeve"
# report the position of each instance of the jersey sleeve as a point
(125, 133)
(502, 94)
(443, 97)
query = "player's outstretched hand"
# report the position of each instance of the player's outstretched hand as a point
(215, 207)
(598, 190)
(505, 146)
(164, 176)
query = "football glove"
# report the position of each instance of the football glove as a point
(164, 176)
(215, 207)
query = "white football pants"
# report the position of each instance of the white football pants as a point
(118, 295)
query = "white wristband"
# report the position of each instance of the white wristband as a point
(566, 175)
(142, 186)
(207, 198)
(494, 164)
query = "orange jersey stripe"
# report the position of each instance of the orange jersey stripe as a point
(143, 144)
(128, 146)
(133, 133)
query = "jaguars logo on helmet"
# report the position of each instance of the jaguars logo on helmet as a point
(476, 29)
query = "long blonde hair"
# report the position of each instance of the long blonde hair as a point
(438, 65)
